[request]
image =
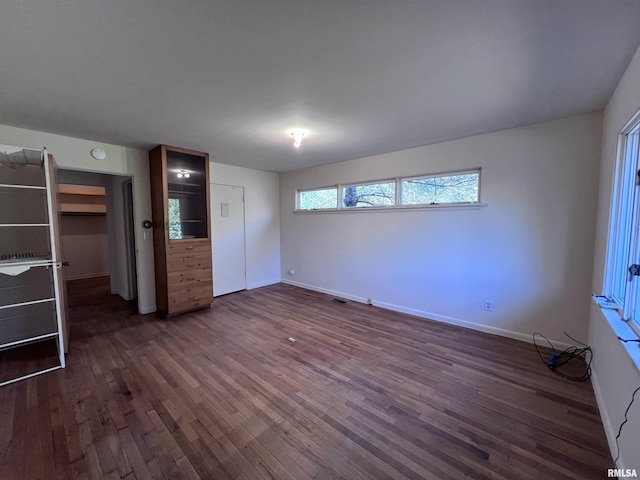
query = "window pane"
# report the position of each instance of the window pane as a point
(624, 220)
(445, 189)
(175, 224)
(316, 199)
(372, 195)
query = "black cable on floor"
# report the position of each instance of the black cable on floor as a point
(571, 354)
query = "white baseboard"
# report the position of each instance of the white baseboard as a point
(346, 296)
(85, 276)
(251, 286)
(525, 337)
(609, 429)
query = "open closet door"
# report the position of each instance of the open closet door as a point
(31, 305)
(57, 250)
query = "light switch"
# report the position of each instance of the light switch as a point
(224, 209)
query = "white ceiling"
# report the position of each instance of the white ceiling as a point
(363, 76)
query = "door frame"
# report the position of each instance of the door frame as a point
(212, 185)
(129, 226)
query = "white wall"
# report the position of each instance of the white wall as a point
(85, 246)
(262, 220)
(529, 250)
(615, 376)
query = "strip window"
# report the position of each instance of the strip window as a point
(451, 188)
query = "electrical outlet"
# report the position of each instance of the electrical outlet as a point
(488, 305)
(292, 271)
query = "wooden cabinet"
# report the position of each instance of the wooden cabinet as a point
(181, 229)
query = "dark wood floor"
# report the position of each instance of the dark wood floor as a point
(362, 393)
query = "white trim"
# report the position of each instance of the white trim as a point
(325, 290)
(524, 337)
(609, 429)
(251, 286)
(86, 276)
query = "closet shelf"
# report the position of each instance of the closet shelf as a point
(82, 199)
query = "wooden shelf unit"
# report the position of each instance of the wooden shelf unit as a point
(181, 229)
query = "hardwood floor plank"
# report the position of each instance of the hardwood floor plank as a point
(135, 459)
(363, 393)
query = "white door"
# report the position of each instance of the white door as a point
(227, 231)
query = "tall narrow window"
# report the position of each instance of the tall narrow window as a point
(623, 255)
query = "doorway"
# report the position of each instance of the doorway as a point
(107, 250)
(228, 239)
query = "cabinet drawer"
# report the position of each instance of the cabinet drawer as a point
(189, 298)
(186, 246)
(189, 278)
(183, 258)
(189, 264)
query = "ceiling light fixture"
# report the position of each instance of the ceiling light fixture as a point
(297, 134)
(183, 174)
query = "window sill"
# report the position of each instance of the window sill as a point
(395, 208)
(623, 330)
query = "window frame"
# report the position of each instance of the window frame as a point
(314, 189)
(624, 222)
(342, 188)
(398, 194)
(440, 175)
